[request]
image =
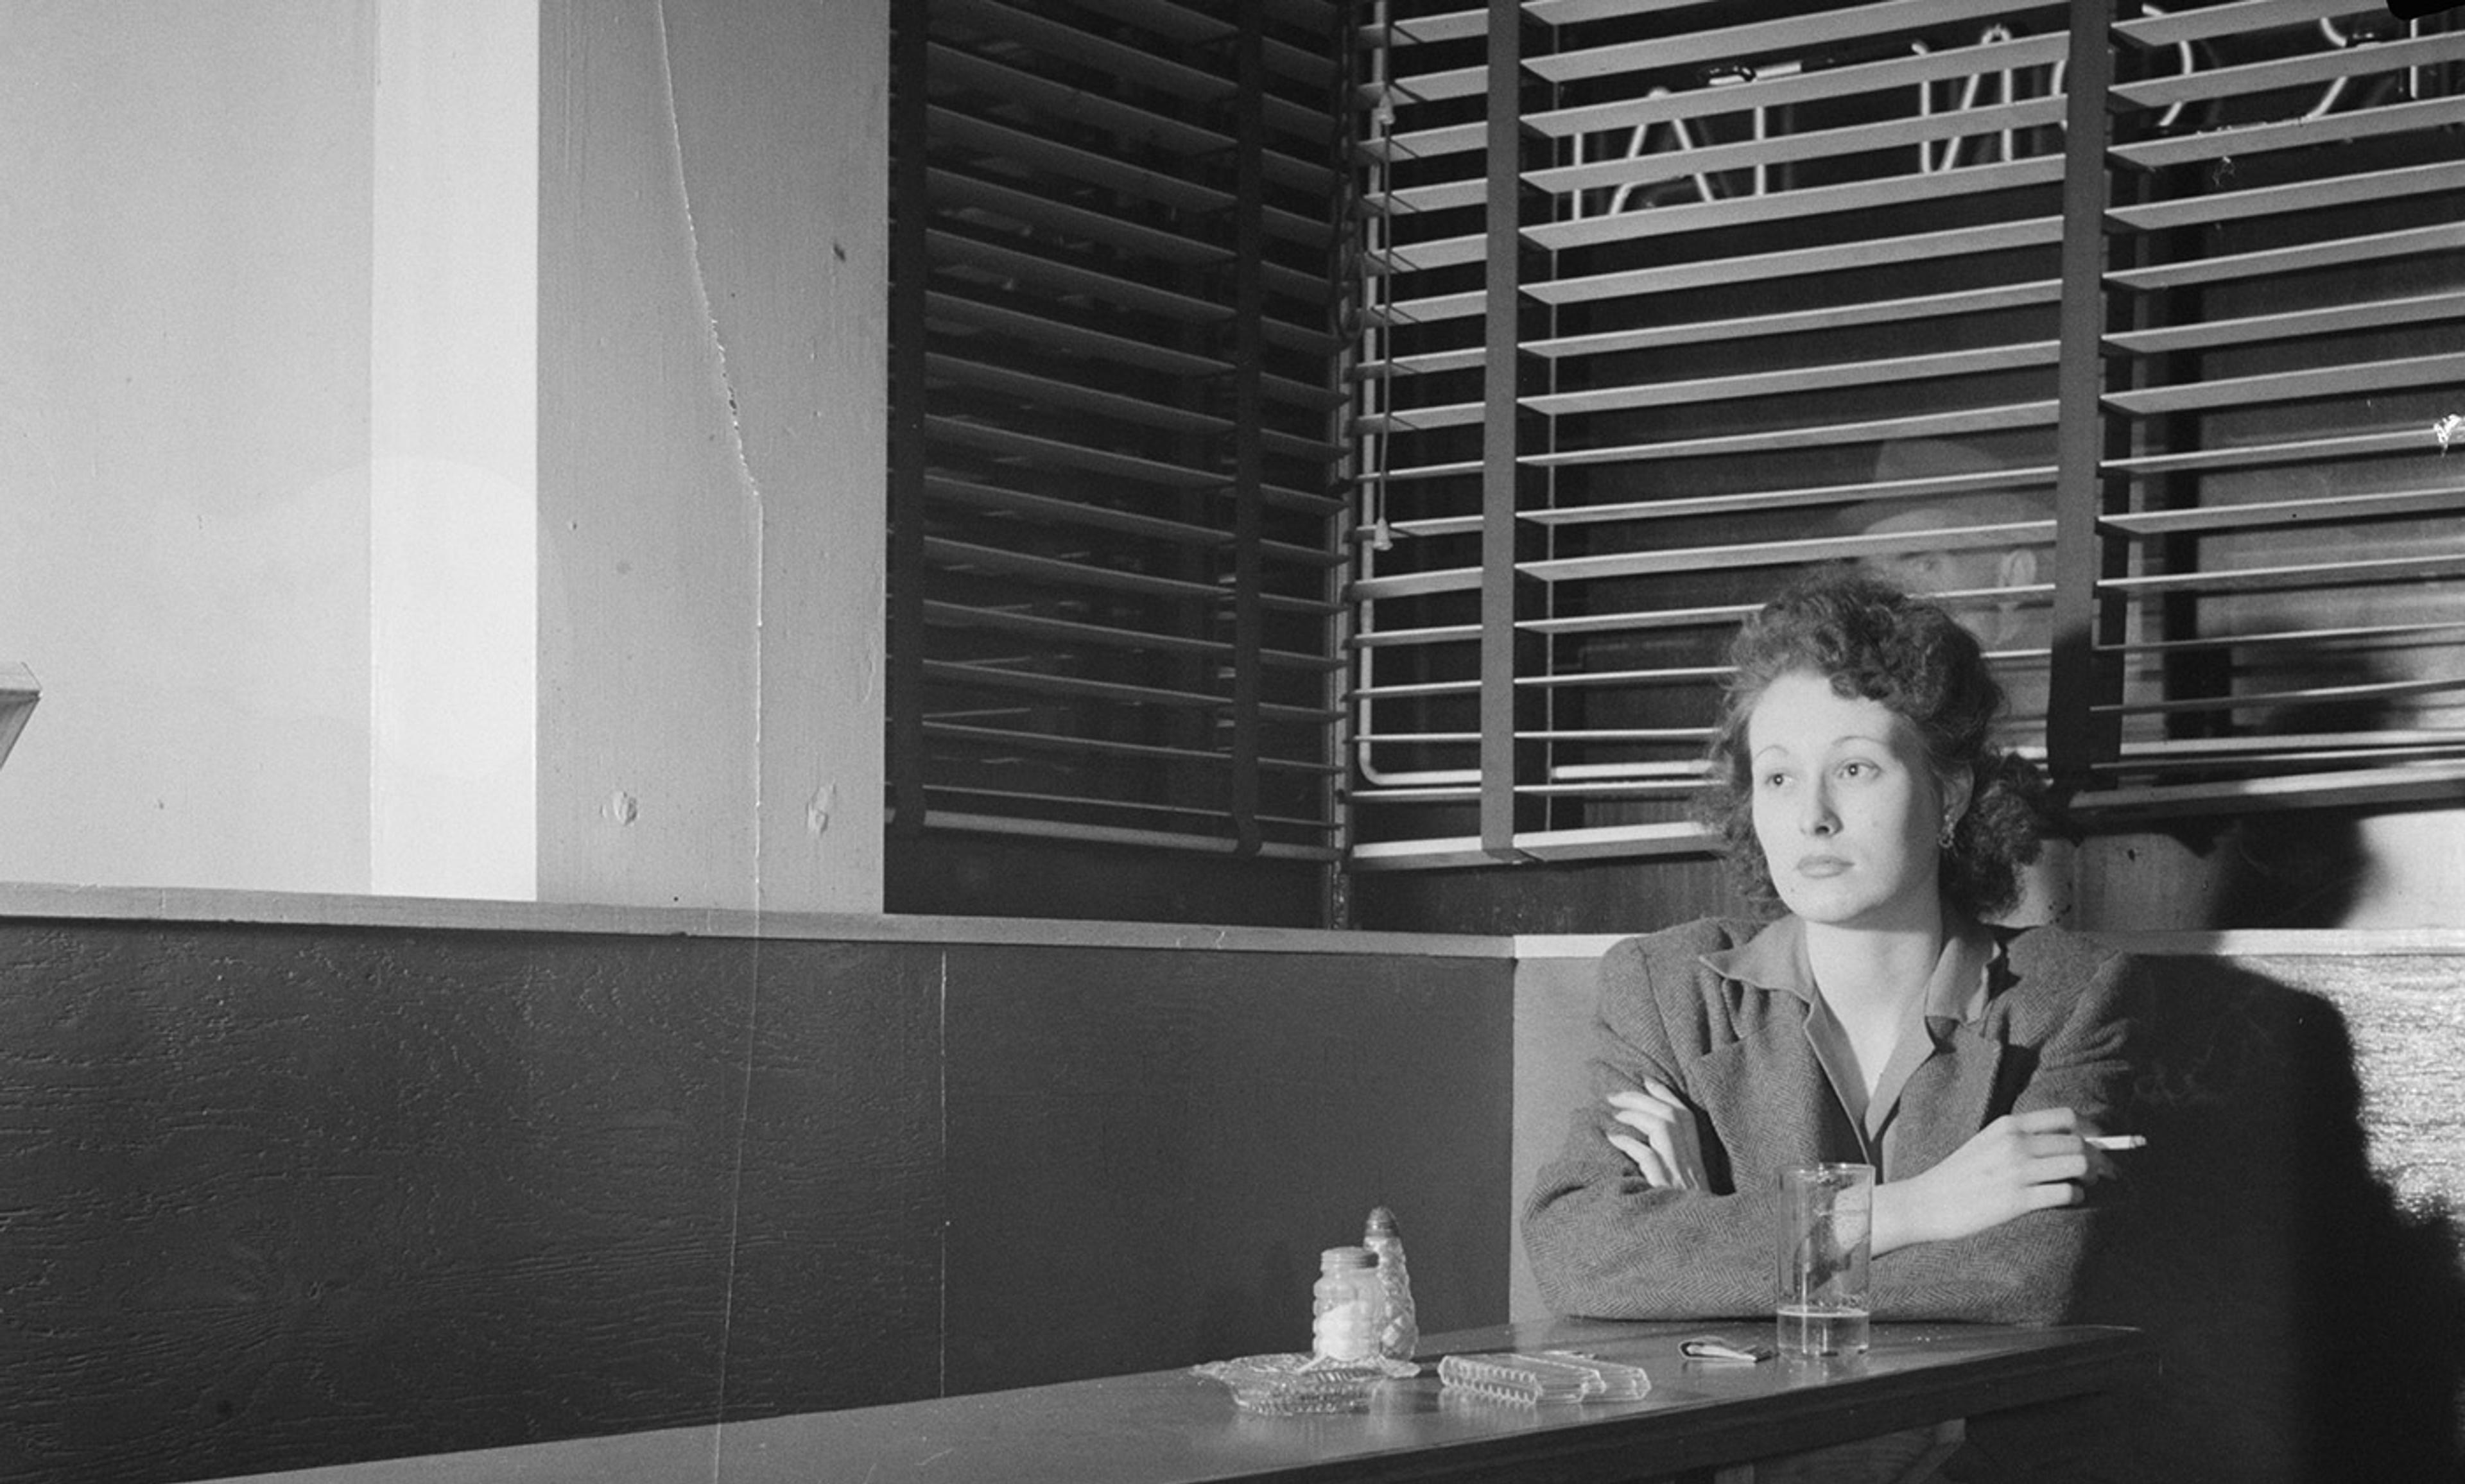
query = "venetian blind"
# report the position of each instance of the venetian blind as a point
(1117, 456)
(2127, 334)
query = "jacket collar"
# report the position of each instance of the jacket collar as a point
(1956, 993)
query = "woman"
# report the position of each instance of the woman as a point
(1875, 1019)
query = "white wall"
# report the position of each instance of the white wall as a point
(441, 446)
(453, 433)
(713, 439)
(184, 440)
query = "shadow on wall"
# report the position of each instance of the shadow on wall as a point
(2310, 1325)
(2321, 867)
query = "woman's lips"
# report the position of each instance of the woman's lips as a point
(1821, 866)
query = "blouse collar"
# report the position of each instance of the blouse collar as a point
(1963, 980)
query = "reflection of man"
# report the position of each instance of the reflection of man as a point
(1941, 557)
(1957, 518)
(1959, 542)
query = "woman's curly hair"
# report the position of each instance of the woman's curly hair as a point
(1870, 640)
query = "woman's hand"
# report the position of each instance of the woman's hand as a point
(2020, 1163)
(1668, 1153)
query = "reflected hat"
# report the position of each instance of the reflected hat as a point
(1977, 494)
(1932, 459)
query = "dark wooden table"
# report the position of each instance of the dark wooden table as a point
(1175, 1428)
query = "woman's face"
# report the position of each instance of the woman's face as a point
(1845, 807)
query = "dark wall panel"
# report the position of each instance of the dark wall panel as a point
(280, 1196)
(839, 1275)
(1149, 1149)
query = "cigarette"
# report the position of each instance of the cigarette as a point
(2116, 1140)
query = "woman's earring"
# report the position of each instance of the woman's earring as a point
(1950, 827)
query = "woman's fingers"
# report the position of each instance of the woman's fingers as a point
(2045, 1120)
(2048, 1194)
(1653, 1152)
(1650, 1121)
(1652, 1090)
(2060, 1167)
(1647, 1115)
(2061, 1153)
(1666, 1153)
(1647, 1159)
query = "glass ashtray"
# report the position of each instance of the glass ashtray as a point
(1287, 1385)
(1551, 1376)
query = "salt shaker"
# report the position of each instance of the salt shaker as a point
(1349, 1306)
(1401, 1334)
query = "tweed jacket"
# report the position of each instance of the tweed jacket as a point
(2046, 1030)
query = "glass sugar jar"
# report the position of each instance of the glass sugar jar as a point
(1348, 1305)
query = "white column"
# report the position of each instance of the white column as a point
(454, 425)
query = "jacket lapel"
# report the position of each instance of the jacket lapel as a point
(1946, 1099)
(1769, 1101)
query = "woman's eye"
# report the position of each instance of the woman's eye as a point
(1859, 770)
(1774, 780)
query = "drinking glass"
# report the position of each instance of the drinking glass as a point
(1825, 1245)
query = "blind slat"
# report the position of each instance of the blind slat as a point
(2290, 386)
(1141, 839)
(2333, 573)
(2251, 138)
(2429, 781)
(1056, 453)
(2292, 324)
(1631, 226)
(1197, 814)
(1157, 243)
(1053, 392)
(2307, 196)
(1100, 345)
(2304, 637)
(2261, 455)
(974, 556)
(1005, 143)
(1880, 430)
(1011, 737)
(2283, 698)
(1721, 616)
(1071, 512)
(1399, 638)
(1000, 263)
(1833, 317)
(1798, 379)
(1416, 585)
(2336, 511)
(995, 678)
(1782, 553)
(2308, 256)
(1798, 35)
(961, 616)
(1685, 507)
(1871, 253)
